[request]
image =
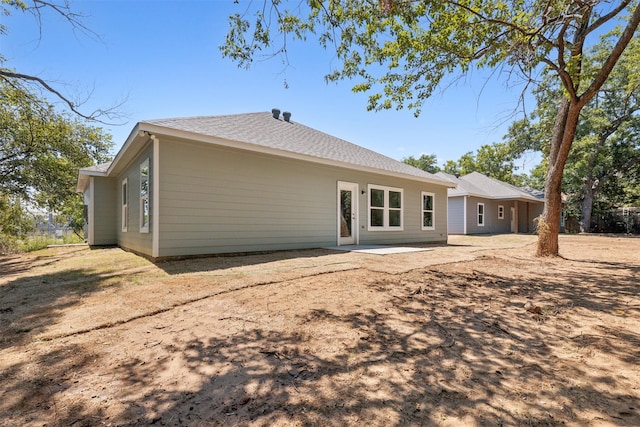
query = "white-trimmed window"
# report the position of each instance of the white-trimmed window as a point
(385, 208)
(125, 204)
(428, 213)
(480, 214)
(144, 196)
(500, 212)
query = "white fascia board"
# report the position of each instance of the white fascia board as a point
(469, 194)
(521, 198)
(176, 133)
(132, 136)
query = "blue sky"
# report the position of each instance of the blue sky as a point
(162, 59)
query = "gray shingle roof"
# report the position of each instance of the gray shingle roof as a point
(263, 130)
(477, 184)
(101, 168)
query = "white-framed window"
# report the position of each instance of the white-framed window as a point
(386, 206)
(144, 196)
(500, 212)
(428, 212)
(124, 187)
(480, 214)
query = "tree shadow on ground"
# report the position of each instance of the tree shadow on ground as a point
(30, 389)
(450, 344)
(13, 264)
(29, 305)
(37, 289)
(422, 359)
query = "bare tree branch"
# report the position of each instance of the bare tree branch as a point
(110, 113)
(65, 11)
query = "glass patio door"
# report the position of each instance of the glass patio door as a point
(347, 213)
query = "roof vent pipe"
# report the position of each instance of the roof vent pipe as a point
(276, 113)
(287, 116)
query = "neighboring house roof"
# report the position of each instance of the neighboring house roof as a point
(262, 132)
(533, 192)
(480, 185)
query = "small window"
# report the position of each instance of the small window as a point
(125, 204)
(428, 222)
(385, 208)
(144, 196)
(481, 214)
(500, 212)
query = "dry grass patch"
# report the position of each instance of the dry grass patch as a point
(479, 332)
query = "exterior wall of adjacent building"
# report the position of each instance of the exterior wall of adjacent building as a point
(456, 215)
(492, 223)
(526, 212)
(215, 199)
(101, 206)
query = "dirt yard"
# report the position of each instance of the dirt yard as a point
(475, 333)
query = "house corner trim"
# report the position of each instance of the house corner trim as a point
(155, 236)
(91, 213)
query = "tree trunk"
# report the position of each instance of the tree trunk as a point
(564, 130)
(549, 222)
(587, 208)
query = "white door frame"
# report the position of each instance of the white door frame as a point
(355, 226)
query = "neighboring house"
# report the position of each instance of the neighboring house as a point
(480, 204)
(255, 182)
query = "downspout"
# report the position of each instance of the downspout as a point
(155, 195)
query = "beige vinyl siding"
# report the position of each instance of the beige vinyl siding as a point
(456, 215)
(133, 239)
(498, 225)
(104, 213)
(491, 222)
(216, 200)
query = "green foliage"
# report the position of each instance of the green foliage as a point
(18, 228)
(41, 151)
(12, 244)
(398, 51)
(14, 219)
(604, 163)
(496, 160)
(536, 176)
(426, 162)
